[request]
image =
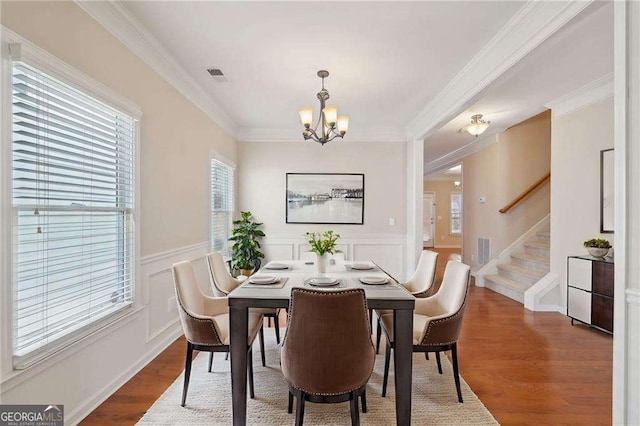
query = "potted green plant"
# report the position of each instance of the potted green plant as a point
(597, 247)
(322, 244)
(245, 250)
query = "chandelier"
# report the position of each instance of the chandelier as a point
(329, 125)
(477, 126)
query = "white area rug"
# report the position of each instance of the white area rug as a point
(209, 398)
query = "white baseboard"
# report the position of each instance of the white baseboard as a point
(93, 402)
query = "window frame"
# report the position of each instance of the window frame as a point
(225, 161)
(16, 48)
(456, 233)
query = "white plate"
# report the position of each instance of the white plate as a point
(322, 282)
(361, 266)
(277, 266)
(263, 279)
(374, 280)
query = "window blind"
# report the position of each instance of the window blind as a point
(221, 205)
(73, 200)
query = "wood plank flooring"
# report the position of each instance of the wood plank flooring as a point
(527, 368)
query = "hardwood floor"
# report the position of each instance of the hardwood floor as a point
(526, 367)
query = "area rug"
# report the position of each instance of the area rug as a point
(434, 399)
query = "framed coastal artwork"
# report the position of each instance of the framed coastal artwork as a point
(325, 198)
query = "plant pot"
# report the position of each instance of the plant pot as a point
(245, 272)
(322, 261)
(597, 251)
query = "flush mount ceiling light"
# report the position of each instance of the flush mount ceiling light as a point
(329, 125)
(477, 126)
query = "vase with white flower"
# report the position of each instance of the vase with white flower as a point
(322, 244)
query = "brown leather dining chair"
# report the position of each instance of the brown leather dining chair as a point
(327, 355)
(437, 321)
(205, 322)
(223, 283)
(420, 285)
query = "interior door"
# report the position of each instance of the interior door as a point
(428, 222)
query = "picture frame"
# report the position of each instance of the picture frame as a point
(607, 191)
(325, 198)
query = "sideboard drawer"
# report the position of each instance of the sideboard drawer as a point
(579, 305)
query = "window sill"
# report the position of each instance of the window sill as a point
(15, 377)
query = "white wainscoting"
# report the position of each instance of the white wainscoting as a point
(158, 292)
(388, 251)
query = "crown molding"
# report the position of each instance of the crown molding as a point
(589, 94)
(132, 33)
(375, 134)
(457, 155)
(529, 27)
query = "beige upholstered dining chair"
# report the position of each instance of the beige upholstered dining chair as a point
(205, 322)
(323, 362)
(223, 283)
(420, 285)
(437, 321)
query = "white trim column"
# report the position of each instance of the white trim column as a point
(415, 189)
(626, 338)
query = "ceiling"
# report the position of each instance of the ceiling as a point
(386, 59)
(578, 54)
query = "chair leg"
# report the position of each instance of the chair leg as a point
(387, 356)
(252, 394)
(187, 372)
(426, 356)
(456, 376)
(226, 357)
(439, 363)
(355, 411)
(363, 400)
(378, 336)
(370, 319)
(210, 361)
(262, 354)
(290, 406)
(269, 322)
(276, 322)
(300, 409)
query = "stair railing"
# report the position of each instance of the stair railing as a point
(526, 193)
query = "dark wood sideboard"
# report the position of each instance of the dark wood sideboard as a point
(590, 291)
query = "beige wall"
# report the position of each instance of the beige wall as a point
(519, 157)
(442, 190)
(577, 139)
(262, 182)
(176, 137)
(176, 141)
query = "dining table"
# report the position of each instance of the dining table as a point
(289, 274)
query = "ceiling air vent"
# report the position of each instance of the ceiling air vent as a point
(218, 75)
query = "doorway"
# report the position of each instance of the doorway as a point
(428, 222)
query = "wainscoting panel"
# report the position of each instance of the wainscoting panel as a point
(388, 256)
(278, 251)
(158, 293)
(386, 250)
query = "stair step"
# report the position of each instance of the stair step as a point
(530, 261)
(544, 236)
(505, 286)
(520, 274)
(537, 248)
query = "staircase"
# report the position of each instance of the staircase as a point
(525, 268)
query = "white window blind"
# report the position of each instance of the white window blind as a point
(221, 205)
(73, 199)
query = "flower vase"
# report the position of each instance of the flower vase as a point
(322, 261)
